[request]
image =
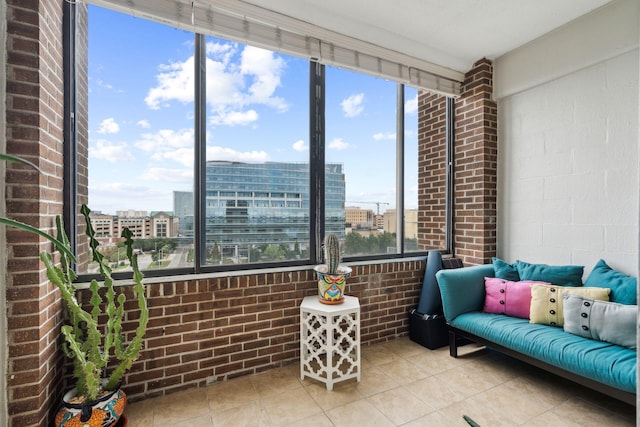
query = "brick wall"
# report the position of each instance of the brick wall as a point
(209, 330)
(432, 144)
(476, 164)
(34, 92)
(475, 159)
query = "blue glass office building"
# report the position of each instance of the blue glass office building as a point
(251, 206)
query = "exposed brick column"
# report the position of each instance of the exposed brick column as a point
(476, 153)
(34, 119)
(431, 170)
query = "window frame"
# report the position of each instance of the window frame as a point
(317, 85)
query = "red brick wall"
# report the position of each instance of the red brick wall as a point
(476, 163)
(34, 91)
(432, 144)
(475, 159)
(209, 330)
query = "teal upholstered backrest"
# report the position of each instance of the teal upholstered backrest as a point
(462, 289)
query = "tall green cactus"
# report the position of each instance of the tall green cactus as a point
(332, 253)
(90, 345)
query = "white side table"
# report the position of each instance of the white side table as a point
(330, 340)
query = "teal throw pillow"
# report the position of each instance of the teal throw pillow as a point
(560, 275)
(504, 270)
(623, 287)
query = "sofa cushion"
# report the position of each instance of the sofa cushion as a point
(604, 362)
(561, 275)
(507, 297)
(469, 282)
(601, 320)
(547, 301)
(623, 287)
(504, 270)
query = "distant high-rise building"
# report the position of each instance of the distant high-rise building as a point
(183, 211)
(103, 225)
(250, 205)
(108, 228)
(378, 221)
(358, 217)
(410, 222)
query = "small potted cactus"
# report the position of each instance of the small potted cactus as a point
(332, 277)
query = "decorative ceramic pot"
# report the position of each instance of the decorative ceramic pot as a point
(331, 286)
(102, 412)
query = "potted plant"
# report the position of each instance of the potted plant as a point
(99, 353)
(100, 356)
(332, 276)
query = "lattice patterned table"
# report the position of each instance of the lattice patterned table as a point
(330, 340)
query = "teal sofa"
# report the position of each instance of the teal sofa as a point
(605, 367)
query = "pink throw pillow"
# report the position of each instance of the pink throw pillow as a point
(507, 297)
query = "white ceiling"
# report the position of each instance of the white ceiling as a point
(450, 33)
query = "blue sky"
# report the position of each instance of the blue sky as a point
(141, 116)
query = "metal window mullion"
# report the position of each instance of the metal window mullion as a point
(316, 159)
(450, 138)
(200, 152)
(70, 130)
(400, 168)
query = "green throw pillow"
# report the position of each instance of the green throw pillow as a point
(561, 275)
(623, 288)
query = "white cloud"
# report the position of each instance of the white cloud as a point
(106, 195)
(382, 135)
(177, 147)
(231, 155)
(119, 188)
(165, 139)
(352, 105)
(236, 80)
(108, 126)
(338, 144)
(143, 124)
(100, 83)
(266, 69)
(106, 150)
(175, 82)
(411, 106)
(299, 145)
(222, 51)
(168, 175)
(184, 156)
(225, 85)
(234, 118)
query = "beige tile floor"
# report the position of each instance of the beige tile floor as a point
(403, 384)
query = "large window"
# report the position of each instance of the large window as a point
(361, 134)
(204, 148)
(257, 155)
(141, 138)
(410, 194)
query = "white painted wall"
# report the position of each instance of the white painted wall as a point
(568, 172)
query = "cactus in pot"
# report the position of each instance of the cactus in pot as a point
(99, 352)
(332, 276)
(332, 253)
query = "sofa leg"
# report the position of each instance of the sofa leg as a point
(453, 344)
